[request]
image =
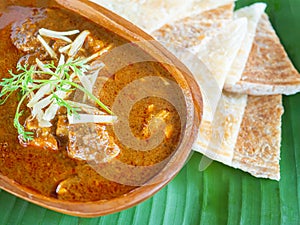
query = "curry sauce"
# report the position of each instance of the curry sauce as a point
(44, 170)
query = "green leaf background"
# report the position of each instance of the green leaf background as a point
(219, 195)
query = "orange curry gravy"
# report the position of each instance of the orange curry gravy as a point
(42, 170)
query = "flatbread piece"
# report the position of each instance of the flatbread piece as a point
(151, 15)
(217, 138)
(253, 14)
(257, 150)
(268, 71)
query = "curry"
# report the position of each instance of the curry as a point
(54, 159)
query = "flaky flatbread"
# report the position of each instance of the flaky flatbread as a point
(151, 15)
(216, 52)
(148, 15)
(217, 138)
(253, 14)
(216, 13)
(257, 149)
(268, 70)
(190, 31)
(202, 6)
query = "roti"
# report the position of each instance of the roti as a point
(203, 6)
(223, 138)
(148, 15)
(268, 71)
(218, 55)
(151, 15)
(253, 14)
(217, 138)
(191, 31)
(257, 150)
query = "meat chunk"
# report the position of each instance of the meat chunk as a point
(24, 36)
(91, 142)
(24, 32)
(43, 136)
(62, 129)
(31, 57)
(93, 44)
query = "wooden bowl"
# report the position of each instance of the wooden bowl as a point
(193, 104)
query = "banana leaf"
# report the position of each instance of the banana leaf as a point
(218, 195)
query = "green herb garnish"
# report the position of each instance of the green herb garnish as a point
(61, 82)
